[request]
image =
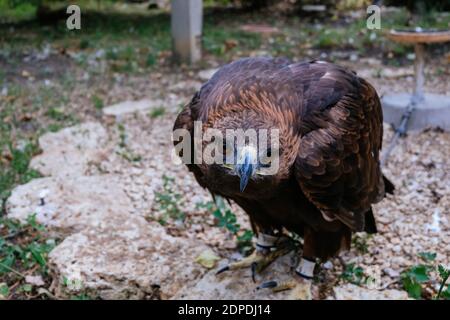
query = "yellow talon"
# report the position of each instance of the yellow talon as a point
(259, 260)
(301, 288)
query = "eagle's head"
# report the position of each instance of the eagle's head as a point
(255, 150)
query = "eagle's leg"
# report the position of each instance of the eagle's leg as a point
(268, 248)
(300, 286)
(303, 280)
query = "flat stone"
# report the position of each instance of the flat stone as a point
(371, 61)
(125, 259)
(434, 111)
(352, 292)
(314, 8)
(190, 85)
(391, 272)
(205, 75)
(260, 28)
(70, 204)
(391, 73)
(128, 107)
(70, 151)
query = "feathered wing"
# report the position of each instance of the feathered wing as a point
(337, 166)
(185, 121)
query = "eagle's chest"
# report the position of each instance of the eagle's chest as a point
(280, 203)
(227, 184)
(288, 208)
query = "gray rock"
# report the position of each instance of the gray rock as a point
(191, 85)
(205, 75)
(391, 272)
(128, 107)
(70, 204)
(353, 292)
(70, 151)
(125, 259)
(108, 251)
(395, 73)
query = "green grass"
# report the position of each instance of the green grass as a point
(131, 41)
(169, 202)
(24, 247)
(16, 170)
(215, 39)
(157, 112)
(124, 151)
(27, 113)
(57, 114)
(22, 256)
(354, 274)
(225, 218)
(134, 42)
(22, 11)
(98, 102)
(359, 242)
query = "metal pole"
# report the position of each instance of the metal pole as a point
(400, 131)
(416, 98)
(419, 63)
(186, 25)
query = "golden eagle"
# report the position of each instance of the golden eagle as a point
(330, 133)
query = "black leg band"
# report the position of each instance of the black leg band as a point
(303, 275)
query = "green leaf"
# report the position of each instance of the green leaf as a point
(246, 236)
(27, 287)
(31, 220)
(353, 274)
(419, 273)
(82, 296)
(207, 259)
(218, 214)
(443, 272)
(4, 291)
(359, 272)
(7, 263)
(427, 256)
(412, 287)
(36, 252)
(446, 294)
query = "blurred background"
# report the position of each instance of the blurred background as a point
(116, 79)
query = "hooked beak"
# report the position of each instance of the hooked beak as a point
(246, 167)
(244, 172)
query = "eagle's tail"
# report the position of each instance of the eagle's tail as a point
(370, 225)
(388, 185)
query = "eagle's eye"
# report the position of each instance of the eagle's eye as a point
(266, 158)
